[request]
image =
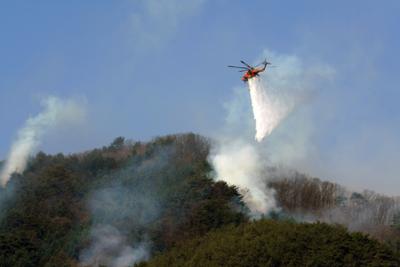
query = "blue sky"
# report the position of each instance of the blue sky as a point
(148, 68)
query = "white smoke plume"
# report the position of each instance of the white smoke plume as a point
(240, 161)
(122, 211)
(56, 112)
(110, 249)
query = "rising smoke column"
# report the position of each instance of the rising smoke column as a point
(110, 248)
(122, 209)
(237, 160)
(240, 161)
(55, 112)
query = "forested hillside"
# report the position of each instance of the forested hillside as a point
(273, 243)
(128, 201)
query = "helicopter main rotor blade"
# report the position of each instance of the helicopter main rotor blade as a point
(237, 67)
(246, 64)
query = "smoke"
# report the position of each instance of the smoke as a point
(124, 210)
(110, 248)
(367, 212)
(274, 98)
(56, 112)
(121, 214)
(239, 163)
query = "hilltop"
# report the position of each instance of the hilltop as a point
(129, 201)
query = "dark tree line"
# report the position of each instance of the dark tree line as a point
(47, 221)
(278, 243)
(161, 191)
(311, 199)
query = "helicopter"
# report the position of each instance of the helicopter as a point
(251, 71)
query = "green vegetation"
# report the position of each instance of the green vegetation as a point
(278, 243)
(160, 194)
(48, 216)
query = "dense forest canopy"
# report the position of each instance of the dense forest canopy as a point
(128, 201)
(278, 243)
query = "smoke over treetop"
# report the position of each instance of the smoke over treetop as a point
(56, 112)
(237, 159)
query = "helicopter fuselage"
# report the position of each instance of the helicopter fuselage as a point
(252, 73)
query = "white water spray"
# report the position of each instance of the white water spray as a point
(56, 112)
(268, 109)
(240, 161)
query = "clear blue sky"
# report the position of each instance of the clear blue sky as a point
(149, 68)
